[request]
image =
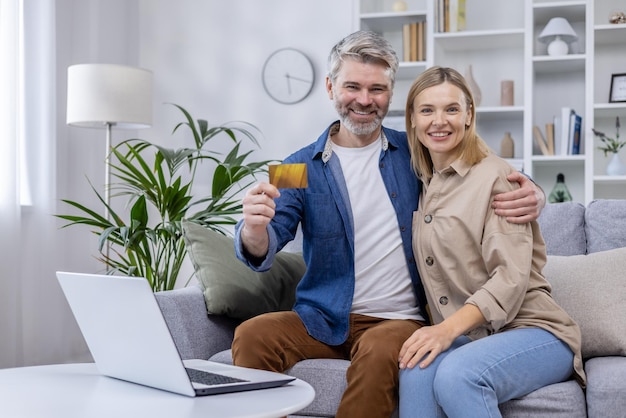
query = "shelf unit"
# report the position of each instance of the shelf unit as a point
(558, 82)
(500, 43)
(608, 57)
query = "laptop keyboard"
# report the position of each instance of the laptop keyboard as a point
(210, 379)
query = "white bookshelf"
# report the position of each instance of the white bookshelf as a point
(500, 42)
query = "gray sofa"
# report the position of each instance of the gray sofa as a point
(570, 230)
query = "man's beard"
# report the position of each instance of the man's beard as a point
(360, 128)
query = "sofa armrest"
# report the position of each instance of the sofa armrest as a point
(196, 333)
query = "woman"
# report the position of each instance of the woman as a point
(497, 333)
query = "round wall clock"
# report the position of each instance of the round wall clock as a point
(288, 76)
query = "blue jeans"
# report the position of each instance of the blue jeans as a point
(471, 378)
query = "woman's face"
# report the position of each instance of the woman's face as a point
(440, 117)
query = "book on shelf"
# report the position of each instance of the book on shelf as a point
(541, 142)
(443, 12)
(406, 42)
(550, 138)
(413, 41)
(568, 132)
(574, 134)
(456, 16)
(450, 15)
(421, 40)
(461, 22)
(564, 130)
(556, 121)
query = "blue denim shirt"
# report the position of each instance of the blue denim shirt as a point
(324, 295)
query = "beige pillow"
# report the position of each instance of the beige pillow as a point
(230, 287)
(592, 289)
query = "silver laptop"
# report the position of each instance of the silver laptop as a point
(129, 340)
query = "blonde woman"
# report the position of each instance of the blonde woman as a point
(496, 331)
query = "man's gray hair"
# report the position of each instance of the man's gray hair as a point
(365, 47)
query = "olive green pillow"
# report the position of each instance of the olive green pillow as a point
(230, 287)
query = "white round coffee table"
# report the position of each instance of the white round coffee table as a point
(79, 391)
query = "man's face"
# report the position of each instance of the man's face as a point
(362, 94)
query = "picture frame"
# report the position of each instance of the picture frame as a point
(618, 88)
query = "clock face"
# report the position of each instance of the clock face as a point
(288, 76)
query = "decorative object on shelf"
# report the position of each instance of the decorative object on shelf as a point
(617, 17)
(399, 6)
(618, 88)
(107, 96)
(147, 237)
(507, 93)
(615, 167)
(507, 146)
(288, 76)
(560, 193)
(612, 145)
(469, 76)
(558, 34)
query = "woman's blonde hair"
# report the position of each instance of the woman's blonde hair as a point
(472, 148)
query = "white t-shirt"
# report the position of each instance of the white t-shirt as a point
(383, 284)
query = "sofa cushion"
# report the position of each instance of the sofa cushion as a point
(592, 289)
(327, 376)
(185, 313)
(606, 386)
(605, 225)
(230, 287)
(563, 228)
(561, 400)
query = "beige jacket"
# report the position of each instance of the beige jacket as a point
(468, 254)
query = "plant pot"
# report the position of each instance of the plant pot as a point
(616, 167)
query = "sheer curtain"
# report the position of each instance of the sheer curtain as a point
(10, 132)
(33, 313)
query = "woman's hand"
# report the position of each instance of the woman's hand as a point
(425, 345)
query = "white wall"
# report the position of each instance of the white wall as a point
(207, 56)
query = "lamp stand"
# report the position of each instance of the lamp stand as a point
(558, 47)
(107, 183)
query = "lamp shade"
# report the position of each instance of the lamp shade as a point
(558, 26)
(101, 94)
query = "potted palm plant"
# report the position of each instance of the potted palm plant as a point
(158, 184)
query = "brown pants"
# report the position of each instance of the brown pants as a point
(278, 340)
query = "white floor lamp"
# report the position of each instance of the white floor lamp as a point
(107, 96)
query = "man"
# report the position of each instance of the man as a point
(361, 296)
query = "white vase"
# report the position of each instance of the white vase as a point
(615, 167)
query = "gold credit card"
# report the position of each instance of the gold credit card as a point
(285, 176)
